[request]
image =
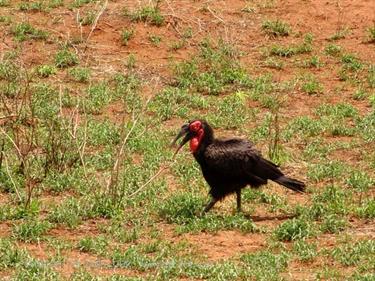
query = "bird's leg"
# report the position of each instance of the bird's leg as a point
(210, 205)
(238, 192)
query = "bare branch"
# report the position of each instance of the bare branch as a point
(10, 176)
(97, 19)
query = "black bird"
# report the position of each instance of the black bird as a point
(228, 165)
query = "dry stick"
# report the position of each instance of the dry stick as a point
(1, 153)
(8, 116)
(14, 144)
(96, 21)
(115, 166)
(10, 176)
(79, 24)
(161, 169)
(216, 16)
(81, 148)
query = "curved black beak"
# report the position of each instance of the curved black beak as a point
(183, 132)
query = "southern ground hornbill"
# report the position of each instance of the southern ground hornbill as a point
(228, 165)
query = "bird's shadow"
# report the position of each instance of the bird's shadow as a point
(269, 218)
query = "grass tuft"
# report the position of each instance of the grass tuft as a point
(276, 28)
(293, 229)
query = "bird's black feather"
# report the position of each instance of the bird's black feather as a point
(228, 165)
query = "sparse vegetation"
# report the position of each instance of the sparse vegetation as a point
(147, 14)
(371, 34)
(126, 35)
(292, 50)
(25, 31)
(46, 70)
(311, 86)
(80, 74)
(339, 34)
(333, 50)
(276, 28)
(92, 94)
(293, 229)
(4, 3)
(65, 58)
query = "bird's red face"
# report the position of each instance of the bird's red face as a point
(193, 132)
(196, 128)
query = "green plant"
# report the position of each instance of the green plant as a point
(155, 39)
(176, 45)
(11, 255)
(311, 85)
(360, 181)
(5, 19)
(339, 34)
(131, 61)
(31, 230)
(4, 3)
(332, 224)
(293, 229)
(330, 170)
(305, 251)
(274, 63)
(46, 70)
(97, 245)
(314, 61)
(371, 99)
(33, 6)
(366, 209)
(97, 96)
(80, 74)
(25, 31)
(360, 94)
(366, 126)
(333, 50)
(344, 110)
(148, 14)
(213, 71)
(371, 76)
(132, 258)
(276, 28)
(102, 132)
(55, 3)
(265, 265)
(295, 49)
(68, 213)
(126, 35)
(88, 18)
(181, 208)
(34, 270)
(371, 34)
(80, 3)
(350, 254)
(65, 58)
(351, 62)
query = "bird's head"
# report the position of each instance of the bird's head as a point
(198, 132)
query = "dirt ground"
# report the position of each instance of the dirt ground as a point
(237, 22)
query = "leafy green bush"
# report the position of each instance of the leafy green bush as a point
(293, 229)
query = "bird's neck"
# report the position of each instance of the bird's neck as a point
(199, 143)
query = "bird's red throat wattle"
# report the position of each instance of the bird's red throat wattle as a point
(196, 141)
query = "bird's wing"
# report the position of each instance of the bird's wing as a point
(231, 154)
(236, 156)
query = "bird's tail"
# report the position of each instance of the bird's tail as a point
(290, 183)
